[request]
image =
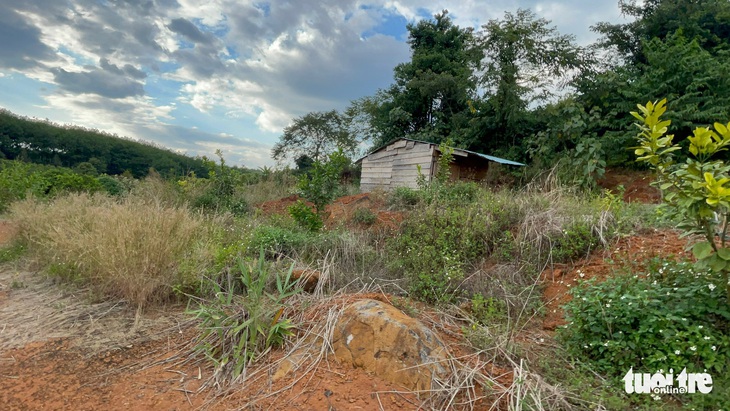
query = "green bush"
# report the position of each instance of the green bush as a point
(274, 239)
(574, 242)
(305, 216)
(322, 184)
(364, 215)
(403, 198)
(434, 247)
(112, 185)
(673, 317)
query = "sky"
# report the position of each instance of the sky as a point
(197, 76)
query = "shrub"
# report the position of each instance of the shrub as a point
(573, 242)
(673, 317)
(305, 216)
(435, 245)
(133, 249)
(112, 186)
(275, 240)
(403, 197)
(237, 328)
(322, 184)
(364, 215)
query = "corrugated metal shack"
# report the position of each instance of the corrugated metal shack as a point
(395, 164)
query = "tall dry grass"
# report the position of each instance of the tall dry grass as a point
(136, 249)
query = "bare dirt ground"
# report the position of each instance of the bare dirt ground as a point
(60, 350)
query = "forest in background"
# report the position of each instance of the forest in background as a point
(519, 89)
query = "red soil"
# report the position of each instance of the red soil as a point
(635, 183)
(342, 211)
(628, 253)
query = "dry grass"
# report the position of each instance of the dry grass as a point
(136, 249)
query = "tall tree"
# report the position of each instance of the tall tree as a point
(315, 135)
(707, 21)
(525, 60)
(430, 96)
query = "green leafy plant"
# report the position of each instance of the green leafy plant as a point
(434, 247)
(671, 317)
(364, 215)
(697, 190)
(238, 328)
(573, 242)
(322, 184)
(486, 310)
(305, 216)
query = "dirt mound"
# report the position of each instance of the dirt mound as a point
(343, 210)
(635, 183)
(630, 253)
(280, 206)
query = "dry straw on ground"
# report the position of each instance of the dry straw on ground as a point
(134, 249)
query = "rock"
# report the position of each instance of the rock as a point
(384, 341)
(308, 279)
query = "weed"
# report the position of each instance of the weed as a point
(11, 252)
(364, 216)
(305, 216)
(134, 249)
(238, 328)
(674, 317)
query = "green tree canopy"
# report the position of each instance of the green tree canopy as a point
(315, 135)
(525, 60)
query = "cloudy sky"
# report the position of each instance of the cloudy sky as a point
(197, 76)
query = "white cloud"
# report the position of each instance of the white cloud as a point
(261, 63)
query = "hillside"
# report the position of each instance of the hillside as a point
(47, 143)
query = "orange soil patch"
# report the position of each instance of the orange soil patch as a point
(65, 374)
(630, 252)
(636, 185)
(280, 206)
(342, 210)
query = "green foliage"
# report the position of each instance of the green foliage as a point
(275, 239)
(322, 185)
(219, 192)
(403, 198)
(524, 60)
(314, 137)
(487, 310)
(112, 185)
(11, 252)
(671, 317)
(574, 242)
(19, 179)
(305, 216)
(434, 248)
(46, 143)
(364, 216)
(430, 97)
(696, 190)
(237, 328)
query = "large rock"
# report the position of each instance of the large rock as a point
(381, 339)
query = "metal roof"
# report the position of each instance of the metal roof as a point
(485, 156)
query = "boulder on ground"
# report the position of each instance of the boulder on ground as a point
(384, 341)
(308, 279)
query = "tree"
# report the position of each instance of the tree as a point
(524, 61)
(695, 191)
(430, 96)
(315, 135)
(707, 21)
